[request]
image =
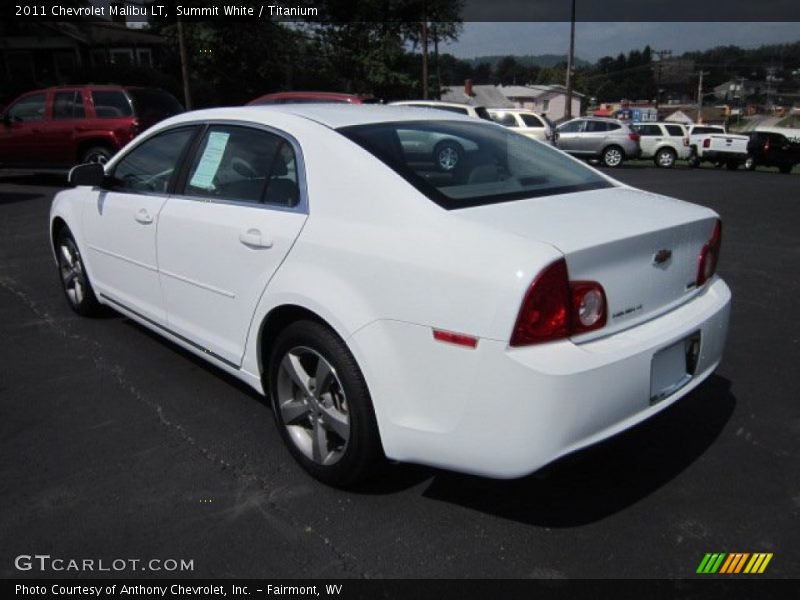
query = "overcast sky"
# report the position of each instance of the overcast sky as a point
(594, 40)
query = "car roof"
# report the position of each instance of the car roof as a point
(432, 103)
(345, 97)
(333, 116)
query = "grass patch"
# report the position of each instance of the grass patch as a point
(792, 121)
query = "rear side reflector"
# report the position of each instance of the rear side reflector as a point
(458, 339)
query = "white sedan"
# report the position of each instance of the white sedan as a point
(486, 319)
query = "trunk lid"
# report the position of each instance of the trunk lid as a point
(641, 247)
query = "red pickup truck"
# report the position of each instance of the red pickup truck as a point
(58, 127)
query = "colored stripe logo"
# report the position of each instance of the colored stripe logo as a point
(734, 563)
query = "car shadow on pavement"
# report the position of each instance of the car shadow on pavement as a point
(12, 197)
(58, 180)
(595, 483)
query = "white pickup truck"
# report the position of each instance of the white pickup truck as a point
(712, 143)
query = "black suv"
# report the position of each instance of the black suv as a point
(770, 149)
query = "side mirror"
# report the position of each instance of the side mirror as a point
(91, 174)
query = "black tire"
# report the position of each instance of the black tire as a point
(74, 279)
(665, 158)
(354, 459)
(785, 169)
(448, 155)
(694, 160)
(750, 163)
(98, 154)
(612, 157)
(732, 165)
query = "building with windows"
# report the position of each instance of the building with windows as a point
(34, 55)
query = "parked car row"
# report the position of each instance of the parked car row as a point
(58, 127)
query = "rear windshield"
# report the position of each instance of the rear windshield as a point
(461, 164)
(154, 104)
(703, 130)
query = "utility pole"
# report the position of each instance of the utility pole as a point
(700, 96)
(187, 93)
(661, 54)
(570, 64)
(425, 57)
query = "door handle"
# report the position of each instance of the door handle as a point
(253, 239)
(144, 217)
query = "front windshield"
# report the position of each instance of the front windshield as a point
(460, 164)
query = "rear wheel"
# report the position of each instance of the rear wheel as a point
(732, 165)
(613, 156)
(786, 168)
(694, 160)
(750, 163)
(97, 154)
(665, 158)
(447, 155)
(74, 279)
(322, 405)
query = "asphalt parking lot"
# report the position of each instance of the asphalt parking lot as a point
(117, 444)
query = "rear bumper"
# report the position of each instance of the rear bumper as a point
(506, 412)
(723, 155)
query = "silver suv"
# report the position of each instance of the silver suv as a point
(610, 140)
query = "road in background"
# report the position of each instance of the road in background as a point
(115, 443)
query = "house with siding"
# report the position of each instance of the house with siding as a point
(550, 100)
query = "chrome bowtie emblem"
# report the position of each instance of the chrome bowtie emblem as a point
(662, 256)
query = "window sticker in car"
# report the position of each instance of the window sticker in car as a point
(209, 163)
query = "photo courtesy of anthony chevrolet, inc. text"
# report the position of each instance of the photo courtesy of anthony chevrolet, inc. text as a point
(392, 299)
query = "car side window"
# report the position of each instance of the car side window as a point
(244, 164)
(648, 130)
(29, 108)
(506, 119)
(596, 126)
(573, 127)
(148, 168)
(676, 130)
(111, 104)
(531, 120)
(68, 105)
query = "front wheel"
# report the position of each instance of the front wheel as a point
(613, 156)
(322, 405)
(694, 160)
(74, 279)
(665, 158)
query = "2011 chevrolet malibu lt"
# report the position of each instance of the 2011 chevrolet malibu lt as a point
(487, 318)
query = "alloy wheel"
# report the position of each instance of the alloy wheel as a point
(313, 406)
(612, 157)
(73, 277)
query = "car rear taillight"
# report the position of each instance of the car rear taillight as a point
(555, 308)
(709, 255)
(634, 137)
(707, 143)
(686, 141)
(766, 145)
